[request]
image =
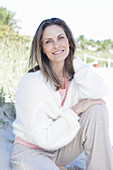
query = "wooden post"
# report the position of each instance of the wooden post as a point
(85, 60)
(109, 62)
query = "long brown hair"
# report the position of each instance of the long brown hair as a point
(37, 55)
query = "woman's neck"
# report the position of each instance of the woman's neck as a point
(58, 69)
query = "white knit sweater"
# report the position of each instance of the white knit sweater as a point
(40, 118)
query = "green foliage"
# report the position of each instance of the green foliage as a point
(3, 123)
(14, 55)
(83, 43)
(7, 17)
(13, 110)
(2, 96)
(15, 51)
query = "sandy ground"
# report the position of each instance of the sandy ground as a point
(6, 136)
(6, 119)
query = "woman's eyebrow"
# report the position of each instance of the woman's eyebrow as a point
(61, 34)
(51, 37)
(46, 39)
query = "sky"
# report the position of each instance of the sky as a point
(91, 18)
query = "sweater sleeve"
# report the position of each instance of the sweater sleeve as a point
(52, 134)
(90, 84)
(39, 120)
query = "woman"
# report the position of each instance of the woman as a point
(59, 108)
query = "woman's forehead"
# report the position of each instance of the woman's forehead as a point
(52, 31)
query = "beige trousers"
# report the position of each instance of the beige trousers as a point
(93, 138)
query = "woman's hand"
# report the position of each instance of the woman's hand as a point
(84, 104)
(62, 168)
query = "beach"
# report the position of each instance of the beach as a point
(6, 119)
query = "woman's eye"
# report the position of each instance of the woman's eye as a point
(48, 41)
(61, 37)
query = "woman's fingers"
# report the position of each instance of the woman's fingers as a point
(93, 101)
(62, 168)
(84, 104)
(98, 101)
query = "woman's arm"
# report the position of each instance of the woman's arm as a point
(39, 120)
(90, 84)
(53, 134)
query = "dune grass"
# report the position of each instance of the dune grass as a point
(14, 56)
(14, 61)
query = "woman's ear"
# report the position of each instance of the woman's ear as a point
(43, 51)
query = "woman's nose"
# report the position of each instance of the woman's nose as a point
(56, 44)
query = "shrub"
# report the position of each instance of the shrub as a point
(2, 96)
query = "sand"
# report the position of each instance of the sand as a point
(6, 119)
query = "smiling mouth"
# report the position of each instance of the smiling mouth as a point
(58, 52)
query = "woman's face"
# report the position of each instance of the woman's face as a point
(55, 43)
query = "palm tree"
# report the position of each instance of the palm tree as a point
(98, 45)
(8, 24)
(7, 17)
(91, 43)
(81, 41)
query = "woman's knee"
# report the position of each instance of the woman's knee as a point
(98, 111)
(98, 108)
(28, 159)
(95, 112)
(27, 163)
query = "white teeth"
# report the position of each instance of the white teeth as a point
(58, 52)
